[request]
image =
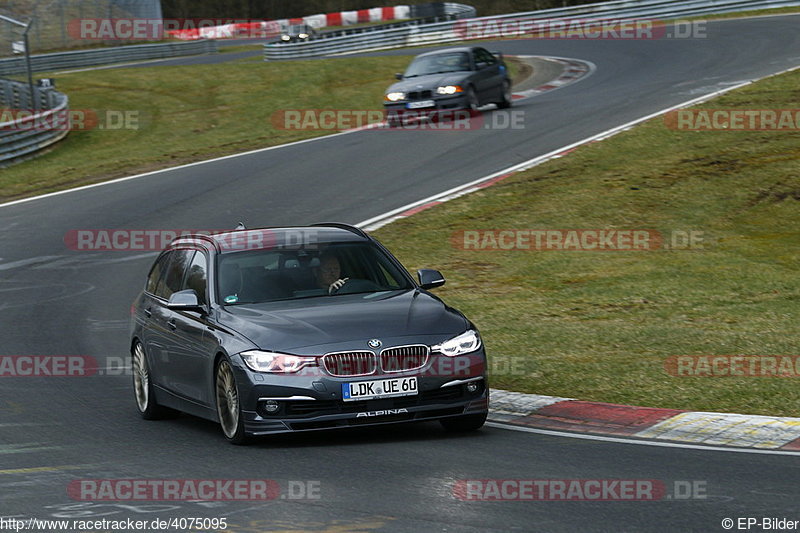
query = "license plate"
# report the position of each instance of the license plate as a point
(381, 388)
(423, 103)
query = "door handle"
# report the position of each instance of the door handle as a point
(172, 325)
(148, 313)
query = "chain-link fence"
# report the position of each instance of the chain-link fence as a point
(53, 21)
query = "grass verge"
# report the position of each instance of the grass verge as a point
(600, 325)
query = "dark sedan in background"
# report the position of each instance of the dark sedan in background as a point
(449, 79)
(295, 329)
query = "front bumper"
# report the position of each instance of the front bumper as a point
(313, 400)
(440, 103)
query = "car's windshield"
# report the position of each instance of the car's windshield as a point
(298, 29)
(328, 270)
(438, 63)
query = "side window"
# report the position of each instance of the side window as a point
(176, 270)
(155, 273)
(476, 58)
(196, 277)
(484, 56)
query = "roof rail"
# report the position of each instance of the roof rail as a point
(354, 229)
(200, 236)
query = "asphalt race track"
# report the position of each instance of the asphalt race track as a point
(59, 302)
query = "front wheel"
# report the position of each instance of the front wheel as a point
(143, 388)
(464, 422)
(472, 99)
(507, 97)
(228, 407)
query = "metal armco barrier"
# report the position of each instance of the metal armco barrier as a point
(23, 138)
(445, 32)
(104, 56)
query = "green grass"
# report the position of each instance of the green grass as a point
(599, 326)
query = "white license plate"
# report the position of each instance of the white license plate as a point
(381, 388)
(420, 104)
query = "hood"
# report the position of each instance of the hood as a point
(346, 322)
(428, 82)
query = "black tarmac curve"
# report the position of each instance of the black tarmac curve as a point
(54, 431)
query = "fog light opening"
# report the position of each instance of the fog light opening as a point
(271, 406)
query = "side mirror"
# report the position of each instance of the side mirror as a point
(399, 75)
(429, 278)
(185, 301)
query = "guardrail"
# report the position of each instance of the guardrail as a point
(380, 27)
(445, 32)
(30, 132)
(104, 56)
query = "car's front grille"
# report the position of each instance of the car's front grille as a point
(404, 358)
(345, 364)
(419, 95)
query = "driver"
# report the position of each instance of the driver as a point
(328, 273)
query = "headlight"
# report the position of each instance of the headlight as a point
(285, 37)
(449, 89)
(303, 36)
(467, 342)
(259, 361)
(396, 96)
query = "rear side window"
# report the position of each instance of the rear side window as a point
(155, 273)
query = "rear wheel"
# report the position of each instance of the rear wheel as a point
(464, 422)
(143, 388)
(228, 406)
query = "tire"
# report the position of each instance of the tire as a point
(229, 410)
(143, 388)
(506, 97)
(472, 100)
(464, 423)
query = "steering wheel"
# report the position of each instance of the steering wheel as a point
(336, 285)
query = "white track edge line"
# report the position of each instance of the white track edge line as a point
(170, 169)
(377, 221)
(230, 156)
